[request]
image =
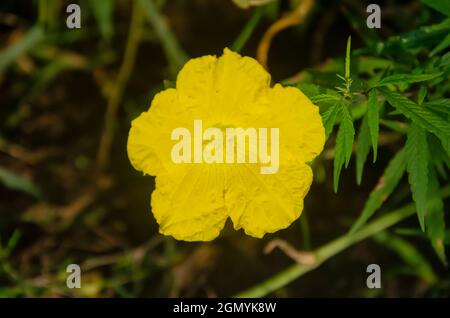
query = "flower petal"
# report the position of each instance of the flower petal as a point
(266, 203)
(149, 141)
(224, 86)
(299, 121)
(188, 203)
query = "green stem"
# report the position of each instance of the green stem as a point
(43, 13)
(115, 97)
(248, 29)
(175, 54)
(304, 225)
(329, 250)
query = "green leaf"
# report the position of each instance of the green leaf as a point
(362, 148)
(417, 167)
(434, 218)
(312, 90)
(17, 182)
(387, 183)
(347, 57)
(374, 121)
(348, 132)
(323, 98)
(409, 254)
(400, 46)
(103, 11)
(406, 78)
(440, 106)
(344, 143)
(329, 118)
(442, 6)
(441, 46)
(397, 126)
(422, 94)
(421, 116)
(439, 157)
(13, 52)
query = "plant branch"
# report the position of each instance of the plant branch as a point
(116, 93)
(296, 16)
(333, 248)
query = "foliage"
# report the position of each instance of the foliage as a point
(385, 91)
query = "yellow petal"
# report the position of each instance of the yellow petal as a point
(223, 87)
(149, 141)
(264, 203)
(301, 128)
(188, 203)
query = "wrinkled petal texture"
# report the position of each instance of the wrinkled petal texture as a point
(193, 201)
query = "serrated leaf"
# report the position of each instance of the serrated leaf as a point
(440, 106)
(406, 78)
(421, 116)
(312, 90)
(417, 167)
(323, 98)
(387, 183)
(422, 94)
(439, 157)
(348, 132)
(17, 182)
(344, 144)
(434, 219)
(442, 6)
(373, 121)
(362, 148)
(329, 118)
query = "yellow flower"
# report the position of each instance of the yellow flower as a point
(192, 201)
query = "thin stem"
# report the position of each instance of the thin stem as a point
(335, 247)
(248, 29)
(115, 97)
(175, 54)
(304, 225)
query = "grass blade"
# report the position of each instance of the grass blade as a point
(175, 54)
(248, 29)
(12, 53)
(17, 182)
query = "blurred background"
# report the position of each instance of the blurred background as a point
(68, 193)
